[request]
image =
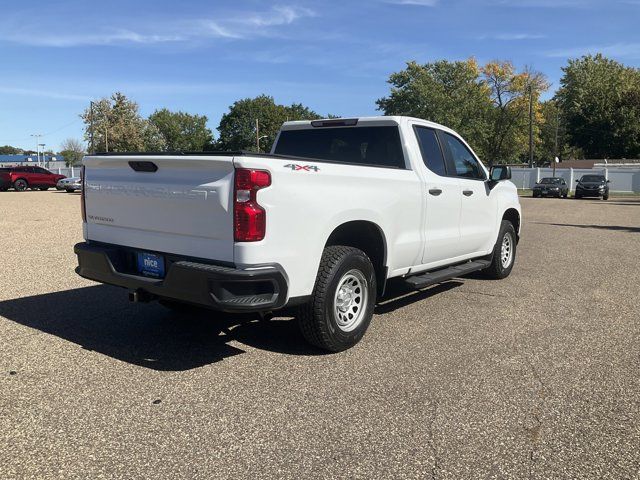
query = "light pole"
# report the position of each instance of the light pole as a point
(43, 157)
(260, 138)
(37, 135)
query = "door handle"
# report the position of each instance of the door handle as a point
(435, 192)
(467, 193)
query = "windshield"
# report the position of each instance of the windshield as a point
(592, 178)
(555, 181)
(377, 146)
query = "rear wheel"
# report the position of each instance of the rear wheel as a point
(504, 253)
(577, 196)
(20, 185)
(341, 306)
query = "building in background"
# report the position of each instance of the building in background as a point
(48, 161)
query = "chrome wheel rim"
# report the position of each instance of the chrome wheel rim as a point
(506, 251)
(350, 300)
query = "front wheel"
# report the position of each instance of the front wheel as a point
(342, 302)
(504, 253)
(605, 197)
(20, 185)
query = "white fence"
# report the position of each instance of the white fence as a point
(623, 179)
(67, 172)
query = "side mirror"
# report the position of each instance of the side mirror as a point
(577, 180)
(500, 172)
(608, 181)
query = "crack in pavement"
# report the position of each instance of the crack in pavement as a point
(432, 442)
(536, 430)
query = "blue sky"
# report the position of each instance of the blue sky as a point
(334, 56)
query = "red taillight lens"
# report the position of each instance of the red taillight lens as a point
(249, 218)
(83, 206)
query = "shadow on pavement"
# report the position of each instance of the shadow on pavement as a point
(399, 295)
(619, 228)
(100, 318)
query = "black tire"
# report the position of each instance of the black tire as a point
(577, 197)
(20, 185)
(322, 322)
(498, 270)
(565, 195)
(605, 197)
(535, 195)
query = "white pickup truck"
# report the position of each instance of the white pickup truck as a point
(321, 223)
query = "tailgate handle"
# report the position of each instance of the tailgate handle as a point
(143, 166)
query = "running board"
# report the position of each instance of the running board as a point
(439, 276)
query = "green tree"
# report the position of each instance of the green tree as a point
(118, 127)
(511, 92)
(487, 105)
(600, 103)
(72, 150)
(450, 93)
(238, 126)
(182, 131)
(9, 150)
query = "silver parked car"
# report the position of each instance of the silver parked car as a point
(62, 184)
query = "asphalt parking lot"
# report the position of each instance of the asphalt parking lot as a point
(535, 376)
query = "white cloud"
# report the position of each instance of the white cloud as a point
(512, 36)
(42, 93)
(420, 3)
(628, 50)
(242, 25)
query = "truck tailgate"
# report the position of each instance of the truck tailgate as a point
(184, 207)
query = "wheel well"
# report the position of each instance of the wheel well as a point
(512, 215)
(21, 178)
(367, 237)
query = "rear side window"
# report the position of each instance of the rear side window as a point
(375, 146)
(430, 148)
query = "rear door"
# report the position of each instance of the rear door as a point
(478, 208)
(43, 177)
(443, 203)
(173, 204)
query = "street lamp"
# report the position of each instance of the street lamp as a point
(258, 141)
(43, 157)
(37, 135)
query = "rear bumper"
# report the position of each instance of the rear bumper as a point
(228, 289)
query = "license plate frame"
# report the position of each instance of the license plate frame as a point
(150, 264)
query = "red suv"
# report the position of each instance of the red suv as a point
(21, 178)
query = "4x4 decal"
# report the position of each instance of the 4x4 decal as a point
(307, 168)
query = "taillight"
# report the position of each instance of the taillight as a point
(249, 218)
(82, 203)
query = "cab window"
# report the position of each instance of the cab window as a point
(464, 163)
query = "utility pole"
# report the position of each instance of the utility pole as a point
(91, 128)
(257, 135)
(44, 158)
(106, 138)
(530, 126)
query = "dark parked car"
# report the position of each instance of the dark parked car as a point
(551, 186)
(592, 186)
